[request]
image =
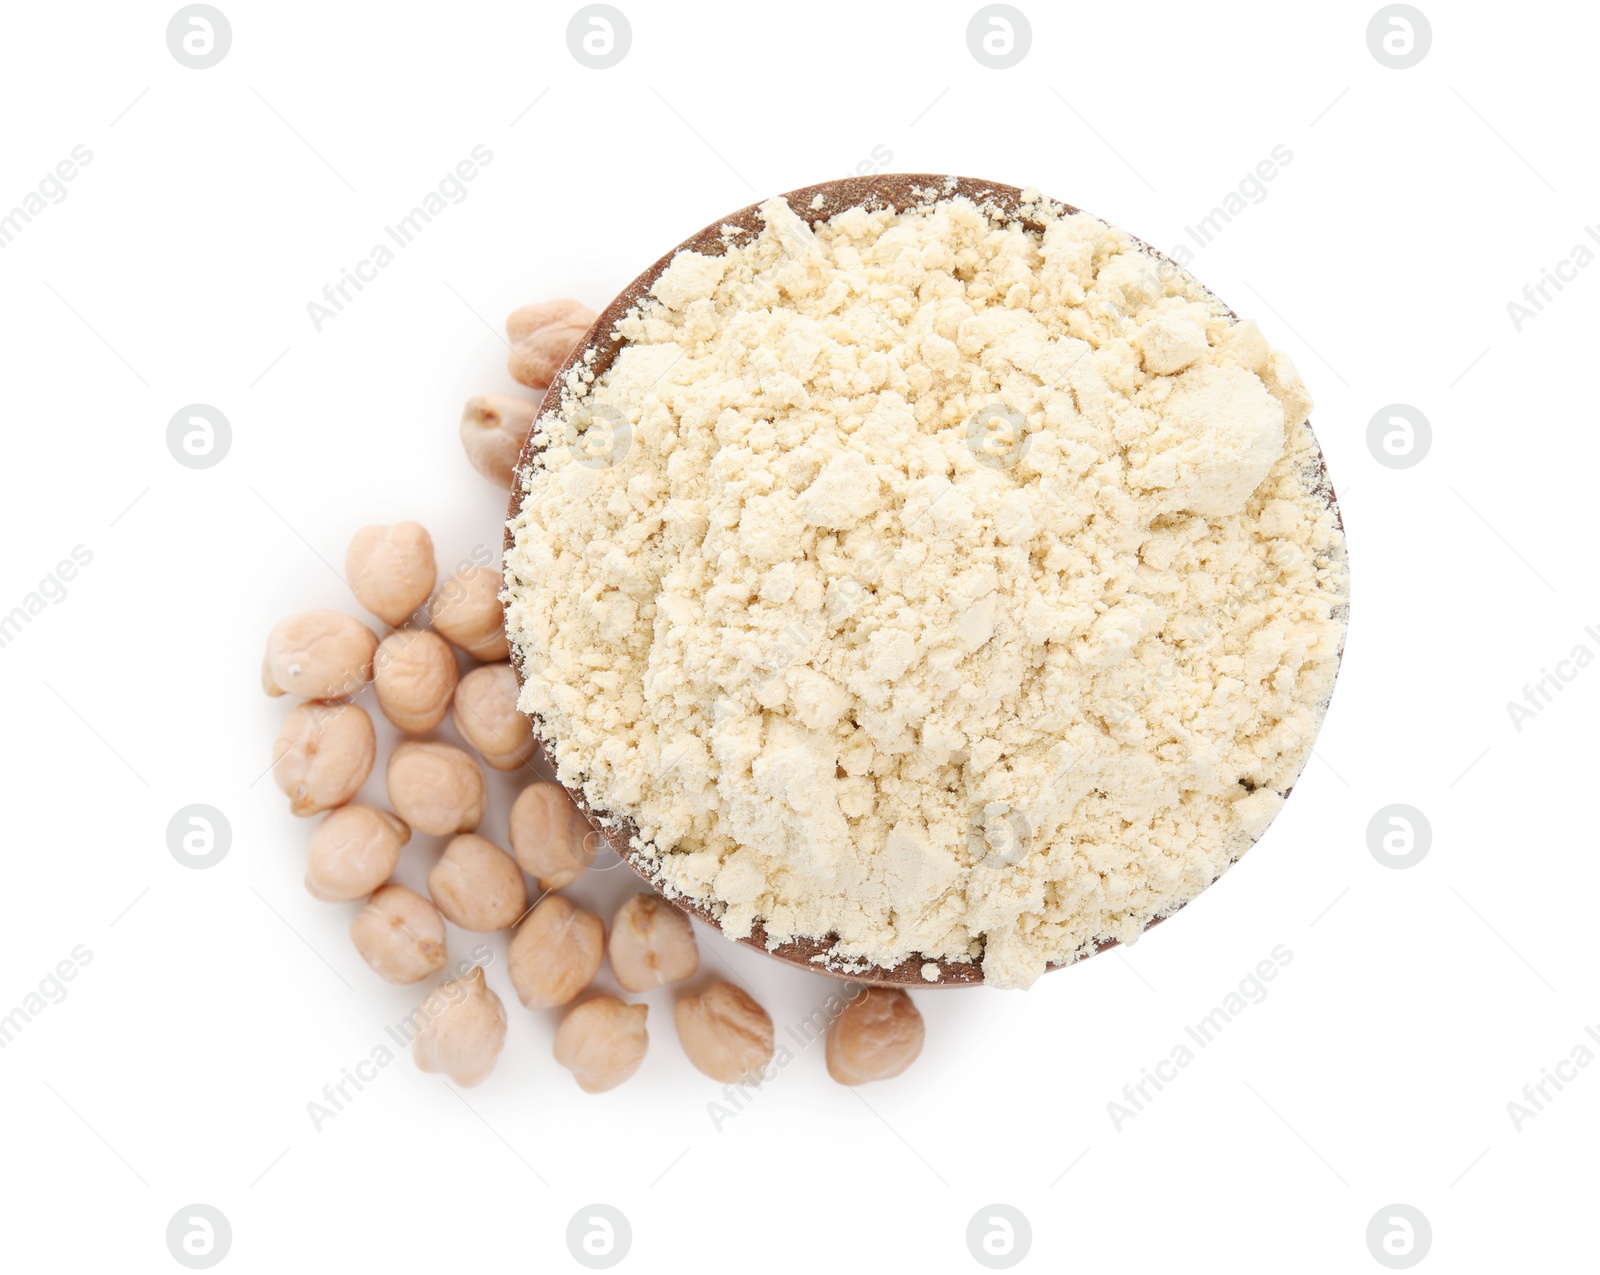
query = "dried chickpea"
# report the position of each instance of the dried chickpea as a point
(478, 885)
(651, 944)
(391, 569)
(542, 335)
(436, 788)
(487, 717)
(493, 429)
(415, 677)
(462, 1032)
(466, 609)
(878, 1035)
(318, 655)
(555, 953)
(602, 1042)
(352, 852)
(399, 934)
(550, 837)
(725, 1034)
(323, 754)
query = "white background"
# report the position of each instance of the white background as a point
(218, 1003)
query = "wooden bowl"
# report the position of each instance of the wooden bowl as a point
(813, 204)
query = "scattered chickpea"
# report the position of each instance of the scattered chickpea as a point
(352, 852)
(463, 1030)
(436, 788)
(487, 717)
(323, 754)
(478, 885)
(466, 609)
(391, 569)
(878, 1035)
(415, 677)
(318, 655)
(400, 934)
(555, 953)
(493, 429)
(726, 1035)
(651, 944)
(602, 1042)
(542, 335)
(550, 837)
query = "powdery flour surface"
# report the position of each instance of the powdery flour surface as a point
(953, 588)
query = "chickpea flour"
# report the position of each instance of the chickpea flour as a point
(953, 588)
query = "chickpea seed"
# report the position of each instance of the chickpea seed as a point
(651, 944)
(463, 1030)
(478, 885)
(399, 934)
(318, 655)
(878, 1035)
(436, 788)
(391, 569)
(352, 852)
(487, 717)
(415, 677)
(466, 609)
(555, 953)
(602, 1042)
(542, 335)
(323, 755)
(493, 430)
(725, 1034)
(550, 837)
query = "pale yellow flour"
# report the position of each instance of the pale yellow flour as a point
(955, 589)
